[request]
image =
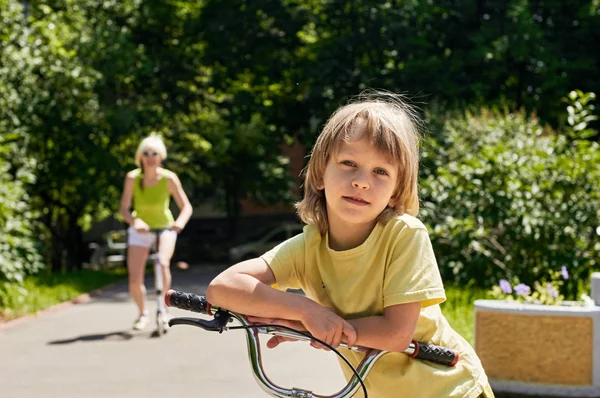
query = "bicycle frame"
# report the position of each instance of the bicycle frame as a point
(158, 283)
(222, 318)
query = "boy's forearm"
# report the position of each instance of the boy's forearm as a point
(247, 295)
(379, 333)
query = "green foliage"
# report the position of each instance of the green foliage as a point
(580, 114)
(508, 199)
(56, 103)
(19, 247)
(514, 53)
(254, 84)
(19, 253)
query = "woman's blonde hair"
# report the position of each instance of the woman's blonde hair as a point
(392, 127)
(153, 141)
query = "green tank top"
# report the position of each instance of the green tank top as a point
(152, 203)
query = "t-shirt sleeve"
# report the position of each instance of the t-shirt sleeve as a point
(286, 260)
(413, 274)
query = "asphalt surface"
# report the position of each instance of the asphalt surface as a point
(89, 350)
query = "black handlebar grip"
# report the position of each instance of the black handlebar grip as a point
(187, 301)
(434, 353)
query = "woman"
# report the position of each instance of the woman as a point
(150, 187)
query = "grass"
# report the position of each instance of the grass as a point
(45, 290)
(458, 308)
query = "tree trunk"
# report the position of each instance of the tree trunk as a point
(56, 254)
(67, 251)
(74, 245)
(233, 205)
(58, 245)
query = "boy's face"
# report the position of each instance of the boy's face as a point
(358, 182)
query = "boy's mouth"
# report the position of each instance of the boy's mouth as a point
(356, 200)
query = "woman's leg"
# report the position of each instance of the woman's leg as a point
(166, 248)
(136, 264)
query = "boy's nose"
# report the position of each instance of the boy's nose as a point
(360, 183)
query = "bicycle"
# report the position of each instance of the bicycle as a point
(222, 317)
(161, 310)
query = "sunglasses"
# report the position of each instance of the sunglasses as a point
(147, 154)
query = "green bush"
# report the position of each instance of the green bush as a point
(508, 198)
(19, 254)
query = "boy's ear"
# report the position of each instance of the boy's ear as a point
(392, 203)
(320, 185)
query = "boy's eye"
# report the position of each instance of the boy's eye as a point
(381, 172)
(347, 163)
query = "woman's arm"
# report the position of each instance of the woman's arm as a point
(126, 196)
(185, 207)
(246, 288)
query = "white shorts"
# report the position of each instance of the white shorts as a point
(135, 238)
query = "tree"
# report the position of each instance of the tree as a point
(19, 247)
(55, 105)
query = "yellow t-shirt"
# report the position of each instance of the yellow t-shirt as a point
(394, 265)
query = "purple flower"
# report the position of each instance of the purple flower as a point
(505, 286)
(564, 272)
(553, 292)
(522, 289)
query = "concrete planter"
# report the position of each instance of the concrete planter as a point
(540, 349)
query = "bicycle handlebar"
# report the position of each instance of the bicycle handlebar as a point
(199, 304)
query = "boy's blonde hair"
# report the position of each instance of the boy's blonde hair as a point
(153, 141)
(392, 127)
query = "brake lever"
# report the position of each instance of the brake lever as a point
(217, 324)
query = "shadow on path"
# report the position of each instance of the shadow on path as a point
(110, 336)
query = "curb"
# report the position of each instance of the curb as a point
(82, 298)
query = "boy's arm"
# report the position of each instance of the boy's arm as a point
(393, 331)
(246, 288)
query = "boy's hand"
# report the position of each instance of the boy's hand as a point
(276, 340)
(323, 323)
(347, 335)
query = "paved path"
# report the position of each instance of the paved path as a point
(89, 350)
